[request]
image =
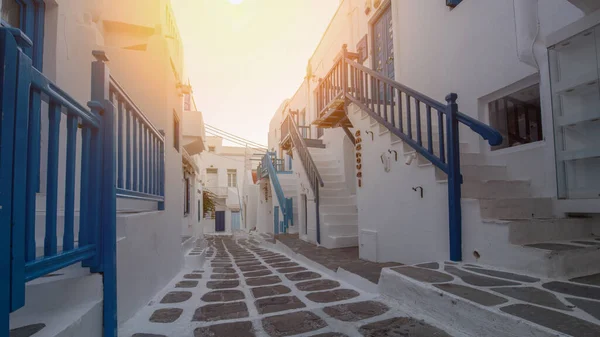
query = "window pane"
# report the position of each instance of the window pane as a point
(518, 117)
(11, 12)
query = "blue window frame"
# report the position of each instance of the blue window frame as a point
(453, 3)
(31, 21)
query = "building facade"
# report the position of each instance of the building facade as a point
(149, 248)
(372, 112)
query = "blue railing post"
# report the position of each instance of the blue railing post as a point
(108, 200)
(454, 178)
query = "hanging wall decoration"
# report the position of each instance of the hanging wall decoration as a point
(358, 149)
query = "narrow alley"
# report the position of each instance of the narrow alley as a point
(244, 290)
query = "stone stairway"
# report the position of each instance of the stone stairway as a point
(339, 214)
(503, 223)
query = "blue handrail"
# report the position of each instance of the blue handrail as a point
(396, 106)
(267, 163)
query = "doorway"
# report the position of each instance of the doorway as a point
(219, 221)
(236, 221)
(383, 42)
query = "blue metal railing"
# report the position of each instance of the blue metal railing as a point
(401, 110)
(140, 150)
(284, 204)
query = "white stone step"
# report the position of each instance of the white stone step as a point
(335, 184)
(338, 209)
(332, 178)
(334, 229)
(332, 192)
(517, 208)
(331, 170)
(522, 232)
(332, 242)
(69, 304)
(326, 163)
(343, 218)
(484, 172)
(494, 189)
(346, 200)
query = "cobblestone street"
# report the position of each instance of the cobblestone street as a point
(245, 291)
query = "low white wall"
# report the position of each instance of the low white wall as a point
(409, 229)
(252, 192)
(304, 188)
(148, 257)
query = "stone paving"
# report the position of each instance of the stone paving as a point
(346, 258)
(246, 291)
(568, 307)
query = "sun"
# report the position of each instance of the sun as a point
(235, 2)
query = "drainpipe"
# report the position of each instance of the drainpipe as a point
(527, 27)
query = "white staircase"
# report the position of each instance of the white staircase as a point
(339, 214)
(510, 222)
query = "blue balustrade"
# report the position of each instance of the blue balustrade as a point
(140, 150)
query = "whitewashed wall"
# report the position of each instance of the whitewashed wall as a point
(148, 250)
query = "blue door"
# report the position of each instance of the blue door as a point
(276, 220)
(236, 220)
(220, 221)
(383, 50)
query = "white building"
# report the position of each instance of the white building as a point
(225, 173)
(145, 56)
(527, 68)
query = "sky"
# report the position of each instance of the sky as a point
(244, 59)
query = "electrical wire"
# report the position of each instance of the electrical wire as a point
(236, 141)
(214, 129)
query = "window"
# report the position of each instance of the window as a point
(186, 196)
(17, 13)
(575, 85)
(232, 178)
(211, 149)
(453, 3)
(176, 133)
(11, 12)
(518, 117)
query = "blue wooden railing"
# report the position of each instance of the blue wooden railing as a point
(284, 204)
(401, 110)
(121, 155)
(140, 150)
